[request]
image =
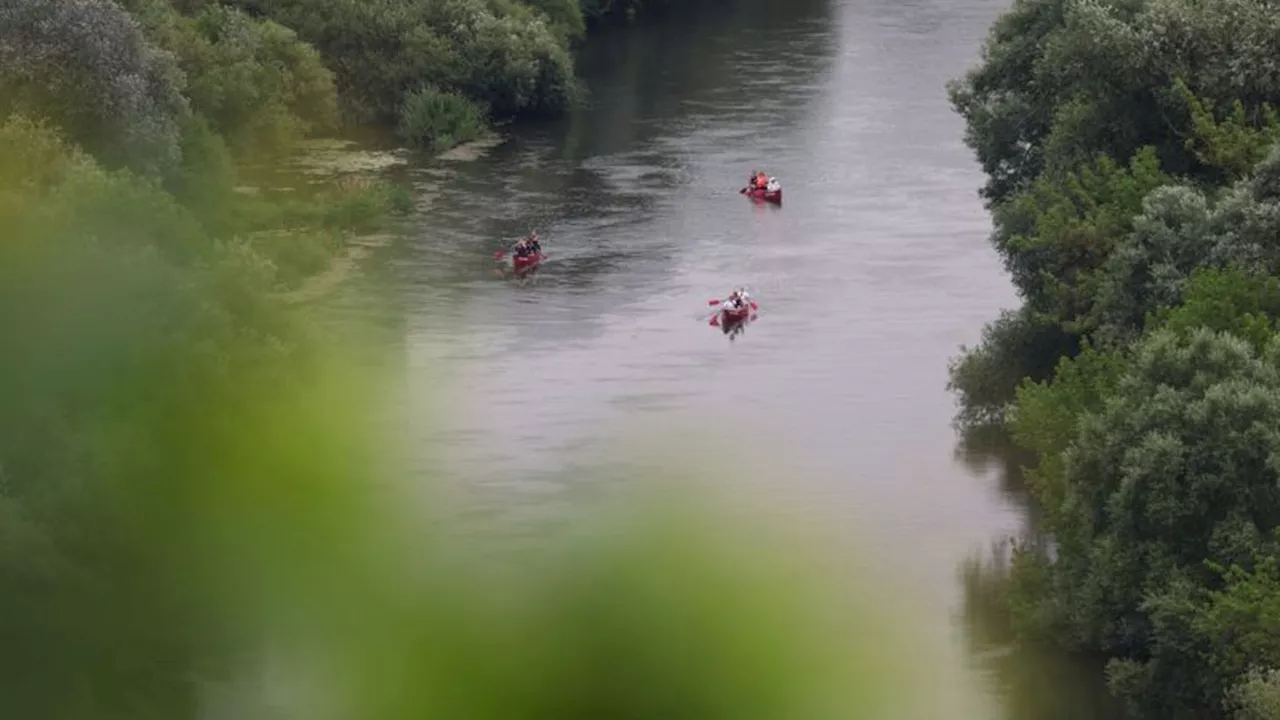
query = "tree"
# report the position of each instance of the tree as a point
(1064, 80)
(86, 65)
(254, 81)
(1181, 230)
(1176, 468)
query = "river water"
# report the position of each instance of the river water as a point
(870, 276)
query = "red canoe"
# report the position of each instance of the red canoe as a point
(527, 263)
(734, 315)
(773, 196)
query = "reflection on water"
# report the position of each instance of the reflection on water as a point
(874, 272)
(1035, 683)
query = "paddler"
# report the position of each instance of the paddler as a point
(735, 301)
(532, 240)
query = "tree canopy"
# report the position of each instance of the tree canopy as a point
(1132, 174)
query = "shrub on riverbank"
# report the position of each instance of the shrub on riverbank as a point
(502, 54)
(266, 73)
(252, 80)
(88, 68)
(435, 120)
(1154, 271)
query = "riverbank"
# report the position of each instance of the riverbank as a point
(334, 161)
(1140, 369)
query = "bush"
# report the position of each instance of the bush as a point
(1056, 237)
(1257, 697)
(501, 54)
(1018, 345)
(120, 309)
(86, 66)
(1169, 473)
(435, 120)
(1180, 231)
(256, 84)
(205, 182)
(1064, 80)
(297, 255)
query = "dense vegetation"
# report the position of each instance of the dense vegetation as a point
(1134, 180)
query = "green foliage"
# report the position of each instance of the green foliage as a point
(1057, 239)
(435, 120)
(1152, 466)
(1047, 415)
(1067, 87)
(1179, 231)
(566, 16)
(1006, 115)
(36, 157)
(1257, 696)
(105, 307)
(86, 66)
(1058, 235)
(1244, 304)
(1155, 461)
(1064, 80)
(1020, 344)
(361, 207)
(1233, 145)
(1100, 250)
(255, 83)
(500, 54)
(260, 86)
(1247, 612)
(297, 255)
(205, 182)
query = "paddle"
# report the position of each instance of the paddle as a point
(754, 305)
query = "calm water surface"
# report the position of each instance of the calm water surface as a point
(872, 274)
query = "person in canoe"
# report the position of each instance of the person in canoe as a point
(737, 301)
(527, 246)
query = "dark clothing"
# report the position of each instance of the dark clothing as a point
(523, 250)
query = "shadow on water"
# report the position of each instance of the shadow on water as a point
(1035, 683)
(989, 451)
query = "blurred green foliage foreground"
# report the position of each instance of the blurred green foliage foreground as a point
(195, 514)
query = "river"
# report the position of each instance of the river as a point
(872, 273)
